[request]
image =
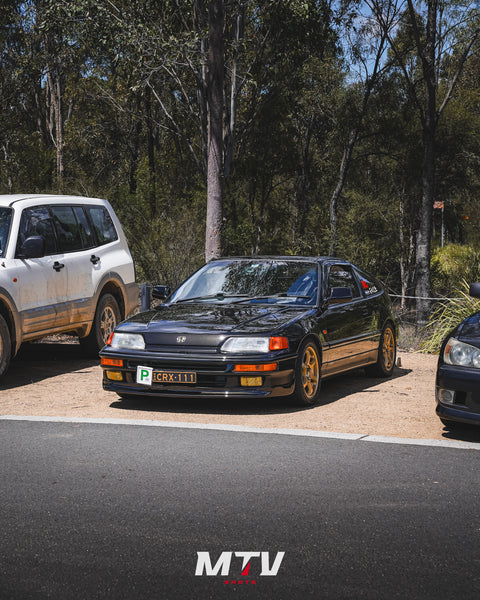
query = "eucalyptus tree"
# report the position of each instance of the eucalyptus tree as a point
(443, 35)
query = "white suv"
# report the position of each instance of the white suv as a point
(65, 267)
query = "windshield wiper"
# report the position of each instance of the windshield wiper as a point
(282, 295)
(218, 296)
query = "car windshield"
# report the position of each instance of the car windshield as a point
(5, 220)
(251, 281)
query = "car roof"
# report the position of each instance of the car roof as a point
(11, 199)
(318, 259)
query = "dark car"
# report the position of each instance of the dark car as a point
(458, 371)
(255, 327)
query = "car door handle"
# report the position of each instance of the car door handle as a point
(94, 259)
(57, 266)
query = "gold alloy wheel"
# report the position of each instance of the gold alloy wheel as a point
(388, 348)
(310, 371)
(107, 323)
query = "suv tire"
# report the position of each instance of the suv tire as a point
(5, 346)
(107, 317)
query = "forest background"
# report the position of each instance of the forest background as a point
(237, 127)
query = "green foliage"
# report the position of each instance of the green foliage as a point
(453, 264)
(447, 315)
(132, 81)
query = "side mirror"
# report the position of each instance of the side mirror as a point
(161, 292)
(339, 295)
(475, 290)
(32, 247)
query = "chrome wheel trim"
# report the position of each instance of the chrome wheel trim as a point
(310, 372)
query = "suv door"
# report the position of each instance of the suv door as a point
(41, 282)
(76, 240)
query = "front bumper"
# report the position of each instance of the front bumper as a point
(462, 387)
(215, 375)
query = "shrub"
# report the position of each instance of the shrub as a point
(447, 315)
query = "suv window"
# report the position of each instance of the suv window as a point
(342, 276)
(67, 228)
(102, 224)
(37, 221)
(5, 220)
(84, 227)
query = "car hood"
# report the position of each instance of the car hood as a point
(469, 330)
(208, 325)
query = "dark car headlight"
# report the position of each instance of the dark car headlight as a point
(461, 354)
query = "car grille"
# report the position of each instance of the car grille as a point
(208, 375)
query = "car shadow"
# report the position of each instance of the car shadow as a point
(38, 361)
(332, 390)
(462, 432)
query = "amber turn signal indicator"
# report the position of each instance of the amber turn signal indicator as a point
(278, 343)
(256, 368)
(111, 362)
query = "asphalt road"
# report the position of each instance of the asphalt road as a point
(101, 511)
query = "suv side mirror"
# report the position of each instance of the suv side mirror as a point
(339, 295)
(32, 247)
(475, 290)
(161, 292)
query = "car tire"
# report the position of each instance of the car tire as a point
(107, 317)
(5, 346)
(387, 353)
(307, 374)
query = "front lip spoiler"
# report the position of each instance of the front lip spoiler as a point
(198, 393)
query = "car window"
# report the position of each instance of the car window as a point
(256, 281)
(37, 221)
(67, 228)
(102, 224)
(368, 286)
(84, 227)
(5, 220)
(342, 276)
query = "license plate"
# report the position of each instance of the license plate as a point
(174, 377)
(147, 376)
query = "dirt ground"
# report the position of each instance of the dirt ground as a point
(53, 379)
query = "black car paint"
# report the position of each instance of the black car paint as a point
(464, 381)
(347, 335)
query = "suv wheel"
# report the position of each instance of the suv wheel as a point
(5, 346)
(107, 317)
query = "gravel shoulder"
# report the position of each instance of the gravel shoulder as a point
(52, 379)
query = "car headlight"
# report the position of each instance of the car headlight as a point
(127, 341)
(254, 345)
(246, 345)
(461, 354)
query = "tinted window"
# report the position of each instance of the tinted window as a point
(368, 286)
(37, 221)
(5, 220)
(84, 227)
(102, 224)
(342, 276)
(67, 228)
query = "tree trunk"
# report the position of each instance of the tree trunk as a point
(424, 234)
(346, 159)
(213, 237)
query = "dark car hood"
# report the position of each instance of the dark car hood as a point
(469, 330)
(214, 318)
